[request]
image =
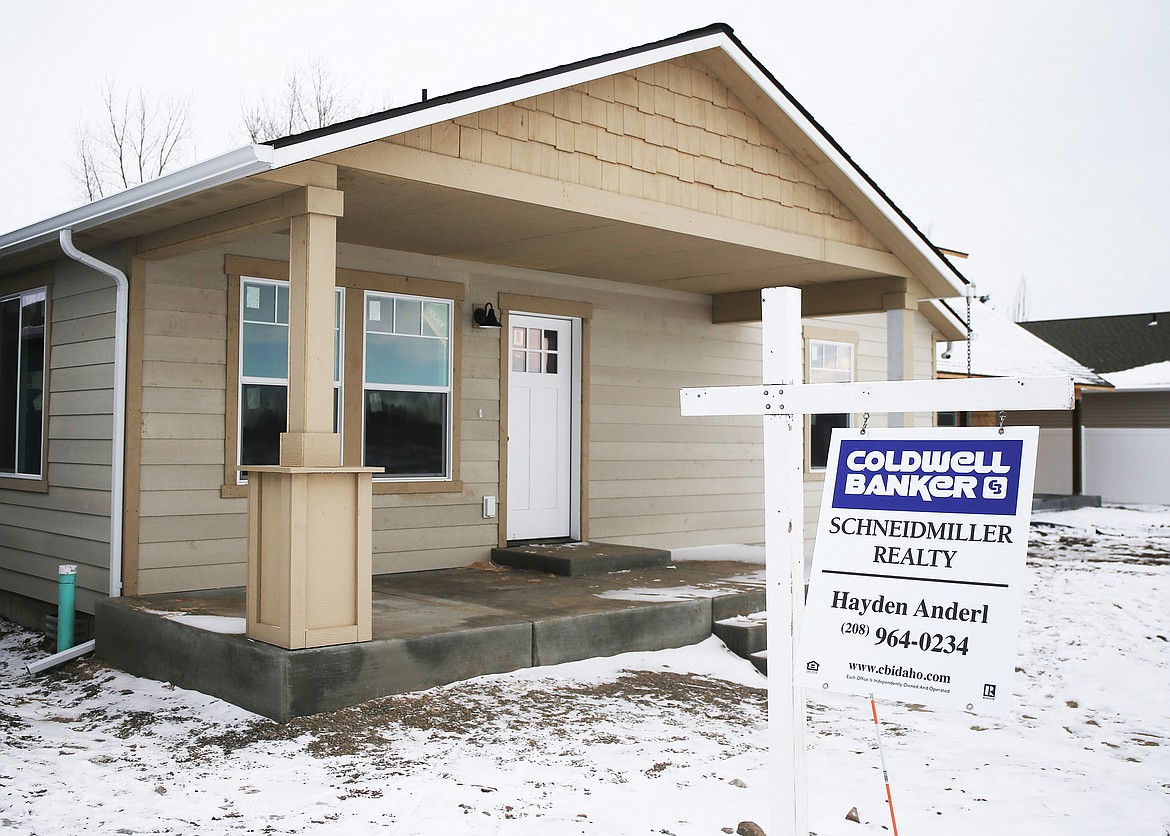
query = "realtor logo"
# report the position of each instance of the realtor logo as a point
(929, 475)
(813, 667)
(988, 692)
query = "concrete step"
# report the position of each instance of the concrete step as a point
(760, 660)
(743, 636)
(746, 636)
(575, 559)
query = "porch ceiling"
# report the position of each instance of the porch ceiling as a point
(415, 216)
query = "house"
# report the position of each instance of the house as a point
(999, 347)
(290, 334)
(1126, 431)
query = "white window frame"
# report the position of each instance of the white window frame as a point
(243, 380)
(448, 390)
(27, 296)
(811, 373)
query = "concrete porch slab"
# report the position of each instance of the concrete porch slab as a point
(429, 629)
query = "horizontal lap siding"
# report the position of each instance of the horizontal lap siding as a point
(70, 523)
(189, 536)
(657, 478)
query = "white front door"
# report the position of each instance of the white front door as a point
(541, 427)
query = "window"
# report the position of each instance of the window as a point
(406, 394)
(395, 361)
(263, 393)
(22, 383)
(828, 362)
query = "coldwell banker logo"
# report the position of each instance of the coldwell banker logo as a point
(941, 476)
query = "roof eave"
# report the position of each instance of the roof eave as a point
(216, 171)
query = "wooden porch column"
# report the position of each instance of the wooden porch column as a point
(900, 310)
(309, 518)
(310, 440)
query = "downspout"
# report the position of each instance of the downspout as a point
(118, 463)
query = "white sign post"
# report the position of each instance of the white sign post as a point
(781, 401)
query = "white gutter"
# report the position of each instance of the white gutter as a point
(208, 174)
(118, 465)
(118, 462)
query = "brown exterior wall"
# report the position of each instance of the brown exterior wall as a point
(1126, 409)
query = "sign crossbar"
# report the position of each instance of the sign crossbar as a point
(956, 395)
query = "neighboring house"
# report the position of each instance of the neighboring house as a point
(1001, 348)
(310, 303)
(1126, 436)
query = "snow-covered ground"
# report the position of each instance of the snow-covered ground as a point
(655, 743)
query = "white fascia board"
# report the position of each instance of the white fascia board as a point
(423, 117)
(850, 170)
(224, 168)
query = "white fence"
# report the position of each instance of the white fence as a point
(1127, 465)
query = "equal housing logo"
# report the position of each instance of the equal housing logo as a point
(959, 476)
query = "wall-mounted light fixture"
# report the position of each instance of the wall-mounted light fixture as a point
(485, 317)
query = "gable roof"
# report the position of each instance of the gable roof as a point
(119, 215)
(1001, 348)
(1109, 343)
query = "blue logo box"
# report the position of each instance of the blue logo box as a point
(942, 476)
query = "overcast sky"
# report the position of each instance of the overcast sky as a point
(1033, 135)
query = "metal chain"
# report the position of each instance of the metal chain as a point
(970, 292)
(864, 422)
(1002, 417)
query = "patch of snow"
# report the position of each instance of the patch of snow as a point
(731, 551)
(745, 620)
(1001, 348)
(681, 593)
(1153, 376)
(211, 623)
(1118, 520)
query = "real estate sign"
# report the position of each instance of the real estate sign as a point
(918, 566)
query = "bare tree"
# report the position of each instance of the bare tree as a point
(1019, 309)
(136, 139)
(313, 97)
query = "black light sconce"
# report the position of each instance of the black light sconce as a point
(485, 317)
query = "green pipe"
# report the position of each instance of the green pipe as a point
(66, 602)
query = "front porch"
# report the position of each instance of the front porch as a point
(429, 629)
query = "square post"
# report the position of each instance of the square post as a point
(309, 518)
(784, 557)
